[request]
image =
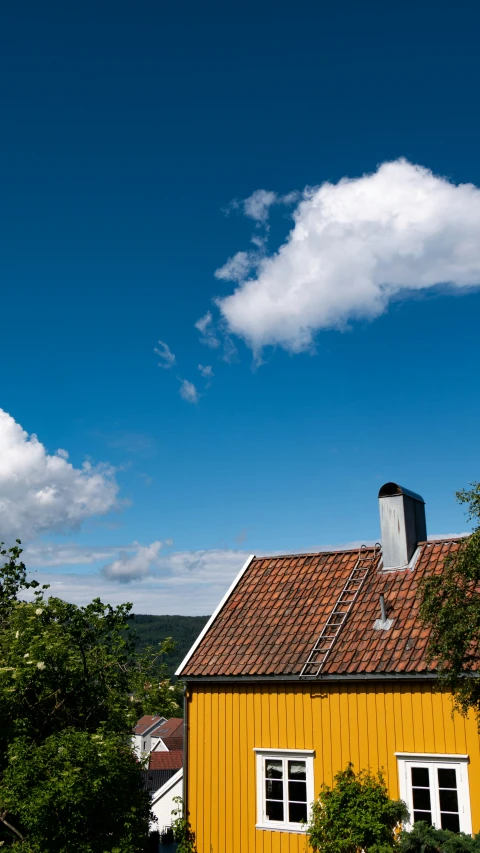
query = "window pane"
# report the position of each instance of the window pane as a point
(420, 777)
(451, 821)
(448, 801)
(421, 799)
(297, 770)
(274, 810)
(298, 791)
(426, 816)
(297, 812)
(447, 778)
(273, 789)
(273, 769)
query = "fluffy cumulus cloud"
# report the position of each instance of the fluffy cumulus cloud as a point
(42, 492)
(188, 391)
(128, 567)
(354, 247)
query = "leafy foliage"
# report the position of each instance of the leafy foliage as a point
(71, 688)
(182, 831)
(355, 815)
(450, 606)
(426, 839)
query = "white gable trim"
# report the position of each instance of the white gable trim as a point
(214, 615)
(167, 785)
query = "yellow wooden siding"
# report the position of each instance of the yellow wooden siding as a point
(365, 723)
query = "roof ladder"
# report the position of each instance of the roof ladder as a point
(339, 615)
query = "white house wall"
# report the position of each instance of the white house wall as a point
(163, 805)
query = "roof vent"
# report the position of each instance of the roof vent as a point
(402, 524)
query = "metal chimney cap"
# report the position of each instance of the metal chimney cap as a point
(390, 490)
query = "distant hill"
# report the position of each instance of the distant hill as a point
(151, 630)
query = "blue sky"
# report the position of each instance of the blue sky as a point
(131, 136)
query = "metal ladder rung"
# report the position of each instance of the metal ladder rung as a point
(339, 614)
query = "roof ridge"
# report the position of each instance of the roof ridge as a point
(281, 556)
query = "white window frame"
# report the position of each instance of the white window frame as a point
(407, 760)
(284, 755)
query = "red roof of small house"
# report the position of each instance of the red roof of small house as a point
(166, 760)
(169, 728)
(275, 613)
(171, 733)
(145, 723)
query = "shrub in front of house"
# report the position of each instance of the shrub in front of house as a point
(426, 839)
(355, 815)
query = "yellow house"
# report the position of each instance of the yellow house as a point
(311, 661)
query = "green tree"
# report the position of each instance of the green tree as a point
(71, 688)
(355, 815)
(450, 607)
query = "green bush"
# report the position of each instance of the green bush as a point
(426, 839)
(355, 815)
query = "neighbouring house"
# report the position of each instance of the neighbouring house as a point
(166, 768)
(311, 661)
(142, 734)
(168, 736)
(163, 801)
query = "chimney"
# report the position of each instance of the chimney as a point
(402, 524)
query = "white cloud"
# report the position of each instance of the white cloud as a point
(188, 391)
(187, 582)
(165, 354)
(206, 371)
(67, 554)
(354, 247)
(206, 327)
(238, 267)
(257, 206)
(42, 492)
(128, 567)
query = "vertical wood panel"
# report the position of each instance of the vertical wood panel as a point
(249, 759)
(197, 794)
(383, 762)
(284, 720)
(372, 728)
(193, 753)
(428, 720)
(229, 801)
(221, 764)
(438, 715)
(209, 756)
(238, 797)
(336, 760)
(418, 728)
(363, 760)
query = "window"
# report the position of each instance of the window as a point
(435, 789)
(284, 788)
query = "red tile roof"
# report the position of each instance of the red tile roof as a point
(145, 723)
(173, 742)
(166, 760)
(169, 728)
(276, 612)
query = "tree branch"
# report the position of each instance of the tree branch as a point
(10, 827)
